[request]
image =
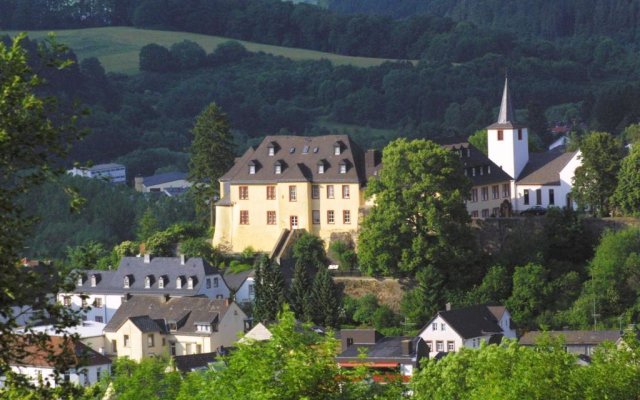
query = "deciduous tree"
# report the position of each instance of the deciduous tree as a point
(627, 194)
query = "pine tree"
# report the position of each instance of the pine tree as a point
(299, 294)
(269, 290)
(325, 299)
(211, 155)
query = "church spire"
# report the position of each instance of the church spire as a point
(506, 108)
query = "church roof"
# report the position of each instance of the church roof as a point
(544, 168)
(507, 115)
(471, 157)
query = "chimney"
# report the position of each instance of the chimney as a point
(138, 183)
(447, 307)
(147, 258)
(182, 259)
(407, 347)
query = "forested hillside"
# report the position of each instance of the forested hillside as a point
(547, 19)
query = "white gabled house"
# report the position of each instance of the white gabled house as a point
(242, 285)
(101, 293)
(451, 330)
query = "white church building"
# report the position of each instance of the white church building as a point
(511, 177)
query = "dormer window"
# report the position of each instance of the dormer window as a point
(272, 148)
(468, 152)
(473, 171)
(277, 168)
(179, 282)
(173, 325)
(488, 169)
(190, 283)
(321, 167)
(200, 327)
(94, 280)
(481, 170)
(147, 282)
(337, 148)
(161, 283)
(79, 281)
(252, 169)
(126, 282)
(343, 167)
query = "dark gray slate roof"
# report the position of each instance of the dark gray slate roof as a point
(544, 168)
(471, 322)
(386, 349)
(471, 157)
(235, 280)
(193, 362)
(167, 268)
(299, 157)
(163, 178)
(184, 311)
(573, 337)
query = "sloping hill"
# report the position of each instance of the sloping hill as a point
(117, 48)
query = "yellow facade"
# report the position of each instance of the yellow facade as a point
(334, 210)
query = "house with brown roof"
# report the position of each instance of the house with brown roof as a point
(452, 329)
(293, 182)
(77, 364)
(146, 326)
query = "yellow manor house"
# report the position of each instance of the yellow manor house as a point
(293, 182)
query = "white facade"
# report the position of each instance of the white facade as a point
(84, 376)
(509, 149)
(245, 293)
(114, 173)
(441, 337)
(549, 195)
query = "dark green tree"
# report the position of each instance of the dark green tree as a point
(269, 290)
(627, 194)
(300, 298)
(211, 155)
(326, 299)
(530, 292)
(596, 179)
(34, 137)
(188, 55)
(427, 296)
(480, 141)
(419, 218)
(537, 122)
(148, 225)
(308, 251)
(155, 58)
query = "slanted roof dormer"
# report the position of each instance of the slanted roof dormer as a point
(338, 146)
(272, 148)
(127, 281)
(179, 282)
(278, 167)
(344, 166)
(191, 281)
(162, 280)
(322, 165)
(148, 281)
(80, 280)
(95, 278)
(254, 165)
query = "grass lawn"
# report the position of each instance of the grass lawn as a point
(117, 48)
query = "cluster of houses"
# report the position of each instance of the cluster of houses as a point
(192, 311)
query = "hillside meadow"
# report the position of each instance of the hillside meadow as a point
(117, 48)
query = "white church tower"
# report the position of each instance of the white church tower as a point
(508, 142)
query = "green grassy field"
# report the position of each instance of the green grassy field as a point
(117, 48)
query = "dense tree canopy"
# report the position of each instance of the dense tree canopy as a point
(627, 194)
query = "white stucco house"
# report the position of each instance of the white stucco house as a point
(114, 173)
(100, 293)
(86, 366)
(451, 330)
(511, 173)
(242, 284)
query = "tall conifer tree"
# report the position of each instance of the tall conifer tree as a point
(269, 289)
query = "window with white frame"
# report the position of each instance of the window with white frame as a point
(434, 326)
(315, 217)
(331, 218)
(330, 192)
(346, 192)
(346, 216)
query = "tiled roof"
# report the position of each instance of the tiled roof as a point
(573, 337)
(74, 353)
(163, 178)
(235, 280)
(158, 312)
(471, 157)
(471, 322)
(544, 168)
(167, 268)
(299, 157)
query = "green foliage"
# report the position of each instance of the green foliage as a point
(421, 302)
(269, 289)
(200, 247)
(237, 266)
(211, 154)
(529, 293)
(295, 364)
(495, 287)
(596, 179)
(480, 140)
(631, 133)
(419, 219)
(325, 300)
(627, 194)
(300, 298)
(34, 137)
(345, 254)
(366, 306)
(165, 243)
(133, 380)
(308, 251)
(147, 225)
(155, 58)
(86, 256)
